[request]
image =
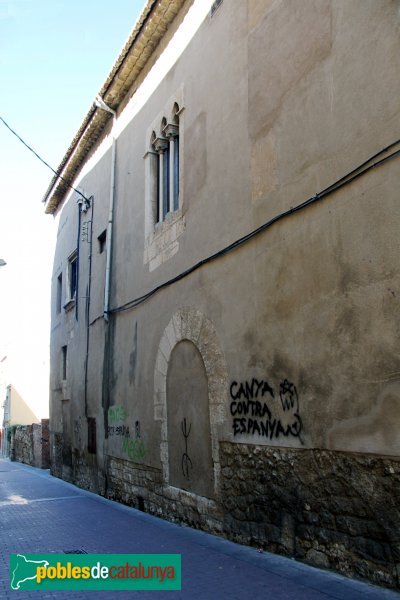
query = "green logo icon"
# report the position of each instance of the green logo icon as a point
(95, 572)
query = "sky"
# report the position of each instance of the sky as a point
(54, 57)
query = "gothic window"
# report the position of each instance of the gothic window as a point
(164, 219)
(166, 146)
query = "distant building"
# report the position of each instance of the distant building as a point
(225, 330)
(15, 412)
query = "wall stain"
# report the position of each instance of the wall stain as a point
(133, 356)
(378, 430)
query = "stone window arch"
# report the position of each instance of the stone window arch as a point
(175, 114)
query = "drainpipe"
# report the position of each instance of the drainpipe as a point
(99, 102)
(80, 200)
(88, 298)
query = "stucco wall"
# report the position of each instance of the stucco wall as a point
(18, 411)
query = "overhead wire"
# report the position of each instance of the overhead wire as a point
(42, 160)
(360, 170)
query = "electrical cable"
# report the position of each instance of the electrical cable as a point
(342, 182)
(41, 159)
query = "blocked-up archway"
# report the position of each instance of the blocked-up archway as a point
(190, 338)
(188, 422)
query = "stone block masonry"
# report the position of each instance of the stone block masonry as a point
(330, 509)
(31, 444)
(142, 487)
(333, 510)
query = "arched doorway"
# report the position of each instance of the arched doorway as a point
(202, 350)
(188, 421)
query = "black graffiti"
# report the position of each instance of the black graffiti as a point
(256, 388)
(186, 461)
(269, 428)
(137, 430)
(288, 395)
(253, 408)
(122, 430)
(266, 418)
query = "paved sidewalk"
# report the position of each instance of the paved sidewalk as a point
(42, 514)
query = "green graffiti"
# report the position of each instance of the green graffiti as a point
(134, 449)
(116, 413)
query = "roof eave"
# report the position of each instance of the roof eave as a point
(152, 24)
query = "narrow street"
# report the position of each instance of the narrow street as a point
(42, 514)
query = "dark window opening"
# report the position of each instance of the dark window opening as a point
(73, 275)
(64, 362)
(59, 293)
(158, 219)
(165, 183)
(176, 173)
(92, 435)
(102, 241)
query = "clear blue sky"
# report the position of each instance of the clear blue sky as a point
(54, 57)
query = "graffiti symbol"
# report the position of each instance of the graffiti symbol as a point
(186, 461)
(137, 429)
(288, 395)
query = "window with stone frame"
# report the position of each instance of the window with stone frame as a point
(163, 160)
(165, 144)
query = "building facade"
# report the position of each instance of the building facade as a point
(224, 344)
(15, 412)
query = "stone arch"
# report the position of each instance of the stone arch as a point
(190, 324)
(175, 114)
(151, 141)
(163, 125)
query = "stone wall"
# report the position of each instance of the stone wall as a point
(141, 486)
(334, 510)
(22, 448)
(56, 444)
(31, 444)
(86, 472)
(329, 509)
